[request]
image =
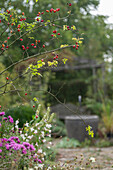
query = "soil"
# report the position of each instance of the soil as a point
(78, 158)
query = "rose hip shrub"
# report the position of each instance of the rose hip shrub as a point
(23, 147)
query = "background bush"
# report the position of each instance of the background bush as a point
(23, 113)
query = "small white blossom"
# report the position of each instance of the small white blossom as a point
(38, 128)
(49, 131)
(44, 153)
(16, 126)
(48, 147)
(35, 131)
(42, 159)
(27, 124)
(30, 137)
(26, 134)
(37, 124)
(20, 132)
(45, 129)
(27, 140)
(44, 140)
(36, 144)
(17, 121)
(49, 135)
(23, 137)
(48, 125)
(40, 151)
(31, 129)
(40, 166)
(50, 143)
(42, 133)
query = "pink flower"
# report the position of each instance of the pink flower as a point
(39, 161)
(2, 113)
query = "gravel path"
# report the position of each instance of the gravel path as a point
(79, 157)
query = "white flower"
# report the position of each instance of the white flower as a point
(31, 129)
(38, 128)
(16, 126)
(45, 129)
(30, 137)
(49, 131)
(49, 168)
(27, 124)
(48, 147)
(40, 166)
(44, 140)
(44, 153)
(22, 135)
(48, 125)
(49, 135)
(42, 159)
(17, 121)
(37, 124)
(27, 140)
(36, 144)
(25, 134)
(40, 151)
(50, 143)
(42, 133)
(35, 131)
(39, 137)
(92, 159)
(20, 132)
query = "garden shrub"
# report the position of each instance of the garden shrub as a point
(23, 113)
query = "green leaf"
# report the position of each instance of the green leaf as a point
(27, 1)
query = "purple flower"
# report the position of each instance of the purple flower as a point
(32, 148)
(10, 119)
(26, 144)
(39, 161)
(0, 144)
(35, 160)
(0, 150)
(5, 118)
(0, 124)
(2, 113)
(4, 140)
(24, 152)
(7, 146)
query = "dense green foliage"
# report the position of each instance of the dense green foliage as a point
(23, 113)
